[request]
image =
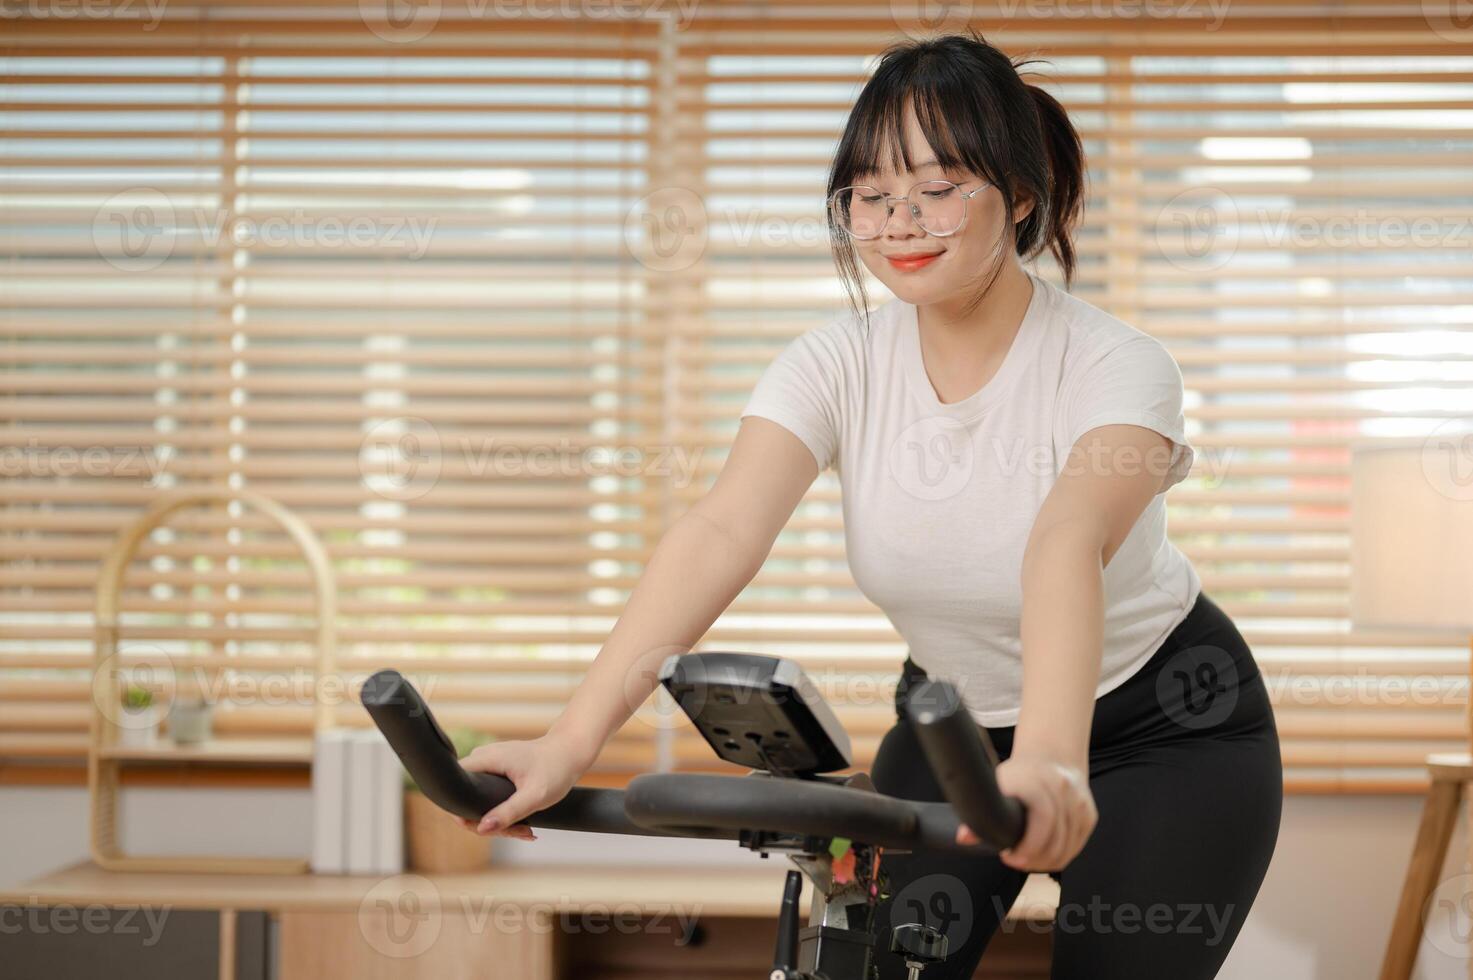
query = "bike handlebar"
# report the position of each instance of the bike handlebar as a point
(720, 807)
(429, 755)
(958, 752)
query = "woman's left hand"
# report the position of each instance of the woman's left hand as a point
(1061, 812)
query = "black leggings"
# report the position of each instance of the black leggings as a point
(1185, 770)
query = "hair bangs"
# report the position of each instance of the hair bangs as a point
(875, 139)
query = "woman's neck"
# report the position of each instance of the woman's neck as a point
(962, 350)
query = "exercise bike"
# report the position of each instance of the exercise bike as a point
(763, 713)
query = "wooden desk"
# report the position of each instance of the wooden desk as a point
(452, 926)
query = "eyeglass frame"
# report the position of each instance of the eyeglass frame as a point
(914, 208)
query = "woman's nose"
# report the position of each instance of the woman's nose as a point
(902, 223)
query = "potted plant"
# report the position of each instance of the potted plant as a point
(191, 716)
(139, 722)
(434, 841)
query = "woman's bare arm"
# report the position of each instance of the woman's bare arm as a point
(700, 565)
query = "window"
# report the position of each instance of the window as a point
(483, 305)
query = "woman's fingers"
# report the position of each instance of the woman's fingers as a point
(1082, 813)
(518, 830)
(1078, 807)
(1061, 813)
(1088, 817)
(504, 759)
(474, 826)
(1049, 851)
(1042, 821)
(527, 800)
(1070, 794)
(494, 757)
(1054, 858)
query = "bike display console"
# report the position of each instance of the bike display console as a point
(759, 712)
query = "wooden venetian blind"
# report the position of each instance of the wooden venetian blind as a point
(1284, 198)
(579, 242)
(382, 282)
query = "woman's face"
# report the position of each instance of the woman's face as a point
(921, 268)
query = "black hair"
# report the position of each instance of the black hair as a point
(978, 114)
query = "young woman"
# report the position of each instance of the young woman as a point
(1003, 449)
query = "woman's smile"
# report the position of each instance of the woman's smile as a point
(912, 261)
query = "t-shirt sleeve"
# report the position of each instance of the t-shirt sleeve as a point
(800, 390)
(1134, 383)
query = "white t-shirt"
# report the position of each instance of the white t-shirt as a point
(939, 499)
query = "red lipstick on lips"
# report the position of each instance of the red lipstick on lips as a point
(912, 262)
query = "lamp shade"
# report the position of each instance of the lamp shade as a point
(1411, 533)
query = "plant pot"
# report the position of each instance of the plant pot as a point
(191, 722)
(434, 841)
(139, 726)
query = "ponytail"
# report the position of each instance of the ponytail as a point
(1056, 210)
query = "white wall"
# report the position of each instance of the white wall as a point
(44, 829)
(1323, 914)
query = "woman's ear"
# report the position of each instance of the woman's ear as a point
(1022, 208)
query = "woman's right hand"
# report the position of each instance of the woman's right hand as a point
(542, 770)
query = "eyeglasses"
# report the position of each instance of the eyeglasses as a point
(939, 208)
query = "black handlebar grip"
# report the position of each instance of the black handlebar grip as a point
(963, 761)
(411, 730)
(429, 755)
